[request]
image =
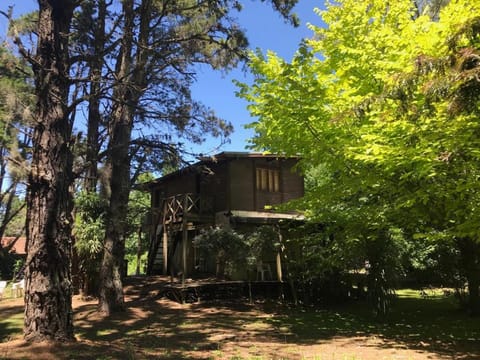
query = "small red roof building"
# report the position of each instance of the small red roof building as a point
(18, 247)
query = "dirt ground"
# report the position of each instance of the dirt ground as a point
(157, 328)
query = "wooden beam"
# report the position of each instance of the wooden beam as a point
(184, 239)
(165, 250)
(279, 255)
(279, 267)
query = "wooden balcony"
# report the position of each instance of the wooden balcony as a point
(176, 208)
(178, 213)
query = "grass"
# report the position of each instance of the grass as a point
(11, 318)
(435, 319)
(10, 325)
(155, 328)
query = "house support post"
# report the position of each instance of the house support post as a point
(279, 255)
(184, 239)
(165, 250)
(279, 266)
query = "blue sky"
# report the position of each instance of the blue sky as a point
(265, 29)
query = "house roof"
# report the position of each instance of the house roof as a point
(218, 158)
(18, 247)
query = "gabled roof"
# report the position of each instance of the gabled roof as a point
(204, 161)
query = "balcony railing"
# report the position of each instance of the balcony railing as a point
(175, 207)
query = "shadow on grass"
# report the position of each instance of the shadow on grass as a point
(11, 320)
(433, 325)
(156, 328)
(161, 328)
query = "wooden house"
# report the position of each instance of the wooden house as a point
(231, 189)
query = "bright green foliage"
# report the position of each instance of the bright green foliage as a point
(136, 243)
(89, 232)
(263, 241)
(89, 228)
(385, 102)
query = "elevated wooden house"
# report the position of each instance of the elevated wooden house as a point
(231, 189)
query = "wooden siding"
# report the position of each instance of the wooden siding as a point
(231, 183)
(173, 186)
(242, 185)
(214, 184)
(291, 183)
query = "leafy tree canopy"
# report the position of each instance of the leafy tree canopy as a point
(384, 103)
(387, 102)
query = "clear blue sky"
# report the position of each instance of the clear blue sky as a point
(265, 30)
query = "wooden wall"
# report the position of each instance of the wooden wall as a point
(291, 182)
(213, 184)
(231, 183)
(241, 189)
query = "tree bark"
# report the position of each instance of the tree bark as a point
(120, 128)
(87, 281)
(130, 71)
(470, 264)
(94, 113)
(111, 287)
(48, 303)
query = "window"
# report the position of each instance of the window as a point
(268, 180)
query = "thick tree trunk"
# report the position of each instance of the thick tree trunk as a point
(111, 288)
(88, 280)
(48, 306)
(473, 293)
(470, 264)
(131, 74)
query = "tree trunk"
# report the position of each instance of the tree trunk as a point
(94, 113)
(88, 280)
(8, 212)
(111, 287)
(127, 92)
(473, 293)
(470, 264)
(48, 303)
